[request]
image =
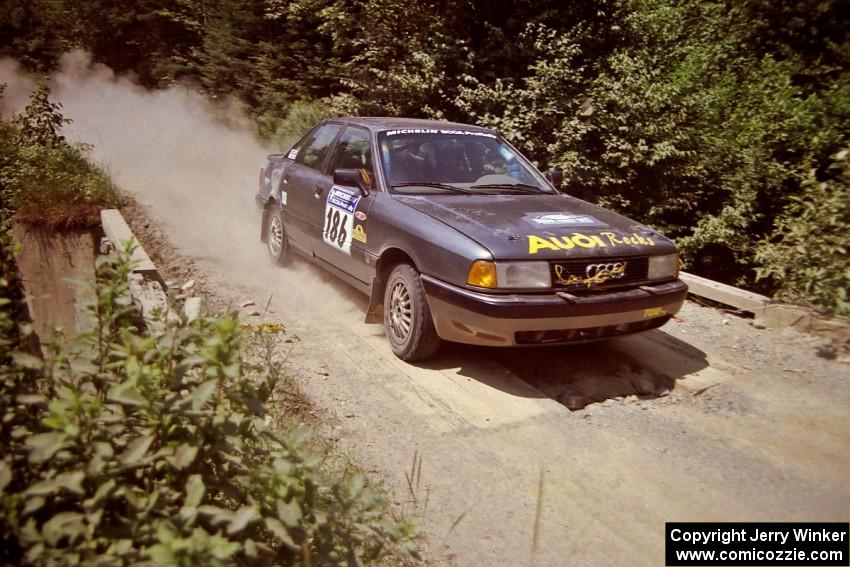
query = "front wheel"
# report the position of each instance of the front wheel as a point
(276, 241)
(407, 317)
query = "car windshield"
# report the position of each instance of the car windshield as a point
(455, 161)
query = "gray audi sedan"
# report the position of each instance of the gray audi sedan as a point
(455, 236)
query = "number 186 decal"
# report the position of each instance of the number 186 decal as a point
(339, 218)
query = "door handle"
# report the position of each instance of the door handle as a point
(318, 193)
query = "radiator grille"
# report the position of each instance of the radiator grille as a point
(604, 273)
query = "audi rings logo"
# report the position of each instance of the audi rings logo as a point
(612, 271)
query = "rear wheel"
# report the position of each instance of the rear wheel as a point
(276, 241)
(407, 317)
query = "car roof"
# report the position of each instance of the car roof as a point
(381, 123)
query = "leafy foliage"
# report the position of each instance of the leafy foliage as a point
(125, 447)
(43, 178)
(302, 115)
(808, 250)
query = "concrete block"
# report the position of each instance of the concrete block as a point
(192, 308)
(118, 232)
(149, 298)
(777, 316)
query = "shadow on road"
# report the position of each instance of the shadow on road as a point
(645, 365)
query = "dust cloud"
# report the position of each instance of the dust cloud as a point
(18, 87)
(194, 168)
(167, 148)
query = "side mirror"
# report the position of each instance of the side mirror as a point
(555, 177)
(350, 178)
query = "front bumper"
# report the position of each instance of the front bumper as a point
(470, 317)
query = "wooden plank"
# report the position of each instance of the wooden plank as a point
(768, 313)
(118, 232)
(726, 294)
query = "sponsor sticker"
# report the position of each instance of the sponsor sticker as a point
(594, 274)
(563, 219)
(439, 131)
(343, 199)
(292, 153)
(582, 240)
(359, 234)
(360, 215)
(654, 312)
(339, 218)
(283, 198)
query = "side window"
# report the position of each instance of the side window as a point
(313, 153)
(353, 151)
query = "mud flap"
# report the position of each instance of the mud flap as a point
(375, 311)
(263, 235)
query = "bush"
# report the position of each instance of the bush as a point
(301, 116)
(806, 257)
(128, 447)
(43, 178)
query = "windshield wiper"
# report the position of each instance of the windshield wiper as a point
(523, 187)
(435, 185)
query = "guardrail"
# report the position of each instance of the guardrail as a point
(145, 281)
(767, 312)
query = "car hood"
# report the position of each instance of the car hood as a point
(518, 227)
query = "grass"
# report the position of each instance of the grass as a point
(45, 180)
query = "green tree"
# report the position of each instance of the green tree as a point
(807, 256)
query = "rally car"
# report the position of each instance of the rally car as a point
(454, 235)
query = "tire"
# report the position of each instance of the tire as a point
(276, 240)
(407, 317)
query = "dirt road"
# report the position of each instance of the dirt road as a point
(706, 419)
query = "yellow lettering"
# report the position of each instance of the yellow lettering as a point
(583, 240)
(598, 241)
(535, 243)
(564, 243)
(654, 312)
(612, 238)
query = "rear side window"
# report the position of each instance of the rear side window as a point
(313, 153)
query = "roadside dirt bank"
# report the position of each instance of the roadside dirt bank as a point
(57, 270)
(706, 419)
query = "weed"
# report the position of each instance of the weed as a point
(132, 446)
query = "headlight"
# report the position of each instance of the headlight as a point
(523, 274)
(666, 266)
(509, 274)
